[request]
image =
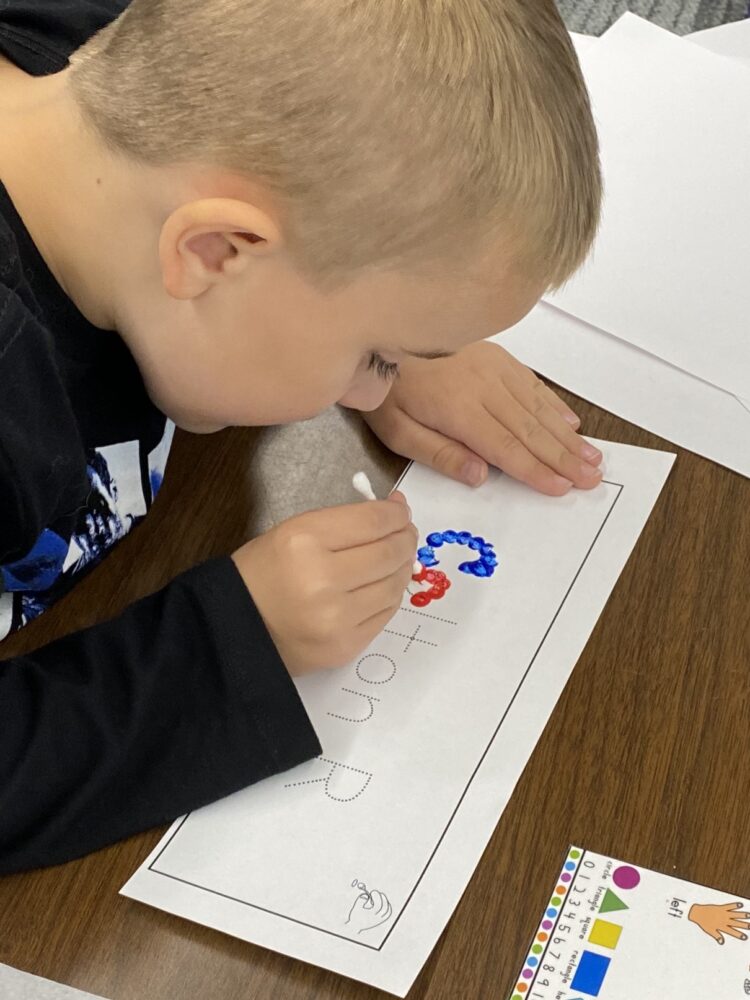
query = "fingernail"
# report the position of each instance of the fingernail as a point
(473, 472)
(589, 472)
(572, 418)
(590, 453)
(563, 483)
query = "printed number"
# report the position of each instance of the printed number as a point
(589, 864)
(542, 982)
(575, 902)
(558, 940)
(576, 889)
(548, 968)
(565, 928)
(556, 957)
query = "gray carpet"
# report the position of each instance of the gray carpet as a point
(592, 17)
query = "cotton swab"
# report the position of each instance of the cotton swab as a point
(363, 486)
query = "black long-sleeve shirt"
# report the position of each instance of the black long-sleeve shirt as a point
(183, 698)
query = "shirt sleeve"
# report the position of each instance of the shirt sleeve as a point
(42, 458)
(180, 701)
(40, 35)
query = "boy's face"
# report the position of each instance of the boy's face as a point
(269, 347)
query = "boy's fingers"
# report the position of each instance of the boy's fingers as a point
(377, 598)
(444, 454)
(537, 385)
(516, 422)
(361, 523)
(569, 416)
(372, 627)
(540, 407)
(500, 446)
(364, 564)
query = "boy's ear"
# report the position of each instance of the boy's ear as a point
(204, 242)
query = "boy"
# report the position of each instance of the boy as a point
(241, 212)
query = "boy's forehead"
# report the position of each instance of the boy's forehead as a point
(462, 308)
(435, 310)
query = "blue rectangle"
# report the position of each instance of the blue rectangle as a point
(590, 973)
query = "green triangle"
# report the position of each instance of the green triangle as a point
(612, 902)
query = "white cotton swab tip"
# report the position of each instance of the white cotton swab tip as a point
(362, 485)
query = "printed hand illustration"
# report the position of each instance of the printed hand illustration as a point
(481, 407)
(370, 909)
(716, 920)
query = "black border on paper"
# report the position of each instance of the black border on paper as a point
(343, 937)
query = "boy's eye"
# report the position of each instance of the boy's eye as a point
(384, 369)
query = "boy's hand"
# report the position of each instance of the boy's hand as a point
(482, 406)
(327, 582)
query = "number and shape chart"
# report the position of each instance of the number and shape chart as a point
(614, 931)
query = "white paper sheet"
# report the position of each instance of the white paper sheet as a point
(669, 269)
(727, 39)
(635, 385)
(355, 861)
(17, 985)
(582, 43)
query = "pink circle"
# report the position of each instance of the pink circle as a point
(565, 877)
(527, 973)
(626, 877)
(547, 925)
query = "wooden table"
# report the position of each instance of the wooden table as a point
(644, 758)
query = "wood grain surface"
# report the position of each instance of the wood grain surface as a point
(644, 757)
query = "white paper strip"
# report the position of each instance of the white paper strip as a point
(355, 861)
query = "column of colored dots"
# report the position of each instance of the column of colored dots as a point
(541, 938)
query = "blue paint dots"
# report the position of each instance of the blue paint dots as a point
(482, 567)
(569, 866)
(532, 961)
(552, 912)
(475, 569)
(426, 556)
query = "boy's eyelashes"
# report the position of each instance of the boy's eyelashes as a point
(384, 369)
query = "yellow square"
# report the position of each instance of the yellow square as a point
(605, 934)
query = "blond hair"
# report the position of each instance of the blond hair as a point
(393, 131)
